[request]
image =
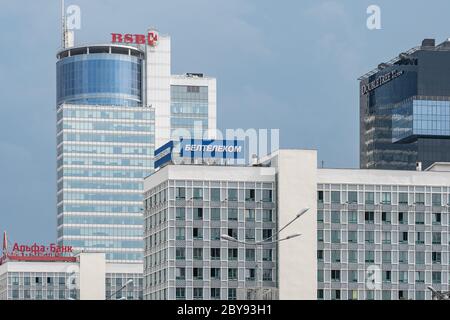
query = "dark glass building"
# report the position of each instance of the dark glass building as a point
(405, 109)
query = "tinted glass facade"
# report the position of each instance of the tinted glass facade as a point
(105, 145)
(404, 119)
(189, 109)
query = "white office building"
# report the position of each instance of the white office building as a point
(368, 234)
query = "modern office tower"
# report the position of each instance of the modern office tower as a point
(405, 109)
(368, 234)
(105, 144)
(115, 103)
(88, 277)
(181, 102)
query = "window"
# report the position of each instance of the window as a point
(249, 194)
(180, 193)
(267, 275)
(353, 256)
(319, 215)
(420, 198)
(215, 253)
(15, 280)
(370, 257)
(352, 294)
(233, 274)
(335, 197)
(233, 233)
(215, 194)
(420, 218)
(267, 254)
(436, 277)
(180, 293)
(249, 215)
(320, 294)
(232, 214)
(197, 194)
(232, 195)
(403, 276)
(320, 196)
(335, 294)
(420, 276)
(232, 254)
(197, 273)
(370, 198)
(353, 237)
(437, 238)
(26, 281)
(335, 256)
(403, 257)
(198, 213)
(403, 198)
(369, 217)
(370, 236)
(386, 257)
(386, 217)
(267, 234)
(215, 273)
(370, 295)
(420, 295)
(386, 276)
(436, 218)
(267, 215)
(180, 233)
(335, 236)
(352, 197)
(232, 294)
(180, 273)
(319, 275)
(250, 274)
(197, 233)
(420, 257)
(180, 213)
(249, 254)
(420, 238)
(437, 199)
(386, 295)
(215, 234)
(336, 275)
(250, 234)
(352, 217)
(320, 255)
(386, 237)
(215, 293)
(436, 257)
(267, 195)
(352, 276)
(386, 198)
(320, 235)
(180, 253)
(403, 218)
(198, 253)
(403, 237)
(198, 293)
(335, 217)
(215, 214)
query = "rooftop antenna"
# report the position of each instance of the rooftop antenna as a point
(63, 26)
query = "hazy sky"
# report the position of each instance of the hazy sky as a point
(290, 65)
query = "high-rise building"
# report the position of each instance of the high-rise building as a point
(405, 109)
(115, 103)
(368, 234)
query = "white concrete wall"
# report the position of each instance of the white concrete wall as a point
(92, 276)
(297, 189)
(158, 87)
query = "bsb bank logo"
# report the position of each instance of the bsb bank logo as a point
(151, 39)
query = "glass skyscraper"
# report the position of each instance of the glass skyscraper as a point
(105, 145)
(404, 110)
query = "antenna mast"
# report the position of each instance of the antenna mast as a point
(63, 25)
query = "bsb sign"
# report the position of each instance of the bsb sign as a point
(365, 89)
(151, 38)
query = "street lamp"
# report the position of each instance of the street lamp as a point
(130, 281)
(438, 294)
(267, 240)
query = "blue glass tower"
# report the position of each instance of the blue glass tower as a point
(105, 145)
